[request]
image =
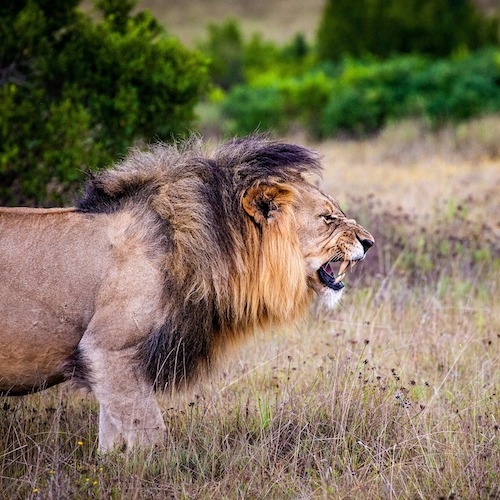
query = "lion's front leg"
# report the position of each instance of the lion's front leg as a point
(129, 413)
(125, 427)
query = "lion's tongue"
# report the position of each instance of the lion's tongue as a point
(328, 269)
(327, 276)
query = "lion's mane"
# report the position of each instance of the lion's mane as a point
(224, 273)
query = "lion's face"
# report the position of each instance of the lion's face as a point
(330, 242)
(308, 236)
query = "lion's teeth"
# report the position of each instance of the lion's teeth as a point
(343, 267)
(353, 263)
(340, 277)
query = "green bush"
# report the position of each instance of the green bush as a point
(457, 90)
(251, 109)
(224, 49)
(75, 93)
(274, 103)
(387, 27)
(233, 60)
(361, 97)
(306, 99)
(366, 97)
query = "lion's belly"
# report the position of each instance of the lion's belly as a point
(26, 371)
(32, 353)
(35, 340)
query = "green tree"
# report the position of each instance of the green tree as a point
(76, 93)
(224, 48)
(385, 27)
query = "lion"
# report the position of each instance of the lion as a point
(168, 257)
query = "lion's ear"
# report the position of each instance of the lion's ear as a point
(265, 202)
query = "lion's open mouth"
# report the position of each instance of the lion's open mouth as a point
(330, 277)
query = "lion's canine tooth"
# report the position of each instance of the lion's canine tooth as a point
(340, 277)
(353, 263)
(343, 267)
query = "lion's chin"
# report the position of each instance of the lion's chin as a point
(329, 298)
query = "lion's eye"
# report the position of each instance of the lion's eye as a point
(328, 218)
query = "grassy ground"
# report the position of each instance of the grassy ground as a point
(395, 394)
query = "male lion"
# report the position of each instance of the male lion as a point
(167, 257)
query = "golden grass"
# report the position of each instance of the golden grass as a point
(278, 20)
(394, 395)
(411, 167)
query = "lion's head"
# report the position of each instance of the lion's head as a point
(309, 242)
(331, 243)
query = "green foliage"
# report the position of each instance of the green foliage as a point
(386, 27)
(297, 49)
(224, 49)
(75, 93)
(457, 89)
(234, 60)
(260, 57)
(251, 109)
(360, 97)
(307, 98)
(366, 97)
(116, 12)
(271, 102)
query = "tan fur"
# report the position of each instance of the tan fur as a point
(145, 283)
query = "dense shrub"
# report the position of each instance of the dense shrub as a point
(366, 97)
(387, 27)
(271, 102)
(225, 51)
(75, 93)
(234, 60)
(458, 89)
(360, 97)
(249, 109)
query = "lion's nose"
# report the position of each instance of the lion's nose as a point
(367, 244)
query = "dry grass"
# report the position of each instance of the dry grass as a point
(411, 167)
(394, 395)
(391, 397)
(278, 20)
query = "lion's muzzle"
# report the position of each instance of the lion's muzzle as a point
(331, 277)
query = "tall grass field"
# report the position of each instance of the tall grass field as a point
(395, 394)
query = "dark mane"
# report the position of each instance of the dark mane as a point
(213, 246)
(240, 162)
